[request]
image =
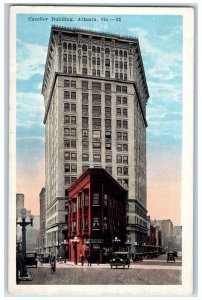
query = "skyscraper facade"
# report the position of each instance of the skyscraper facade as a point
(95, 96)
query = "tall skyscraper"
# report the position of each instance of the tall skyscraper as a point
(95, 96)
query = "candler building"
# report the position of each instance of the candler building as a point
(95, 96)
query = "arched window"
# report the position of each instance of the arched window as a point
(74, 46)
(64, 45)
(121, 53)
(93, 48)
(125, 53)
(84, 48)
(107, 51)
(70, 46)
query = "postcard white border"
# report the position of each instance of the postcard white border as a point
(187, 163)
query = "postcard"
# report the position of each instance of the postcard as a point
(101, 116)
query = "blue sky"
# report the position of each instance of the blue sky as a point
(160, 38)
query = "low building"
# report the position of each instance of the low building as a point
(97, 215)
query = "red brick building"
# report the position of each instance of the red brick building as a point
(97, 215)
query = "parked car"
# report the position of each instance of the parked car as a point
(31, 259)
(170, 257)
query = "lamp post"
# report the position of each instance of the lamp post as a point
(23, 223)
(75, 241)
(116, 241)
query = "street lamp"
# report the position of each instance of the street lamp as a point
(23, 223)
(75, 241)
(116, 241)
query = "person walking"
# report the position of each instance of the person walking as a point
(89, 260)
(53, 263)
(82, 260)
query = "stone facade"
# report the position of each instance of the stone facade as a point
(95, 96)
(42, 220)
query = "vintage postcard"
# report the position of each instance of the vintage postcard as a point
(101, 142)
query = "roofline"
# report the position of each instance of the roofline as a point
(90, 171)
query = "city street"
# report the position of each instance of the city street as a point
(148, 272)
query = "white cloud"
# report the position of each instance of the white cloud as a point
(30, 59)
(42, 139)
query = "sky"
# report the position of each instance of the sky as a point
(160, 39)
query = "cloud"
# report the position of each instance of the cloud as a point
(30, 59)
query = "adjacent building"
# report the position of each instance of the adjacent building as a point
(95, 96)
(166, 227)
(42, 241)
(97, 215)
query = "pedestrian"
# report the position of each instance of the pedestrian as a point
(53, 263)
(82, 260)
(89, 260)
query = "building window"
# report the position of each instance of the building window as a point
(67, 168)
(73, 84)
(96, 122)
(121, 65)
(125, 77)
(96, 145)
(108, 135)
(125, 124)
(67, 144)
(69, 57)
(70, 46)
(96, 134)
(125, 147)
(107, 74)
(86, 199)
(125, 54)
(74, 58)
(73, 156)
(109, 170)
(70, 70)
(84, 96)
(124, 89)
(85, 132)
(98, 49)
(107, 100)
(116, 52)
(73, 143)
(66, 107)
(84, 145)
(67, 155)
(74, 168)
(84, 71)
(67, 180)
(107, 62)
(118, 89)
(108, 123)
(95, 199)
(84, 122)
(108, 158)
(124, 100)
(73, 107)
(85, 157)
(66, 119)
(66, 94)
(125, 159)
(98, 61)
(121, 53)
(96, 98)
(73, 120)
(98, 73)
(66, 132)
(94, 60)
(96, 157)
(73, 132)
(107, 87)
(119, 171)
(94, 72)
(85, 109)
(119, 159)
(108, 112)
(116, 64)
(84, 48)
(96, 86)
(108, 146)
(119, 136)
(96, 224)
(119, 147)
(85, 85)
(118, 112)
(97, 110)
(118, 123)
(125, 183)
(125, 170)
(118, 100)
(125, 136)
(66, 83)
(107, 51)
(73, 179)
(73, 95)
(84, 59)
(64, 45)
(65, 69)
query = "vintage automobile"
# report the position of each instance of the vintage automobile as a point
(170, 257)
(120, 259)
(31, 259)
(44, 258)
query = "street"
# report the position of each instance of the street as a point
(148, 272)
